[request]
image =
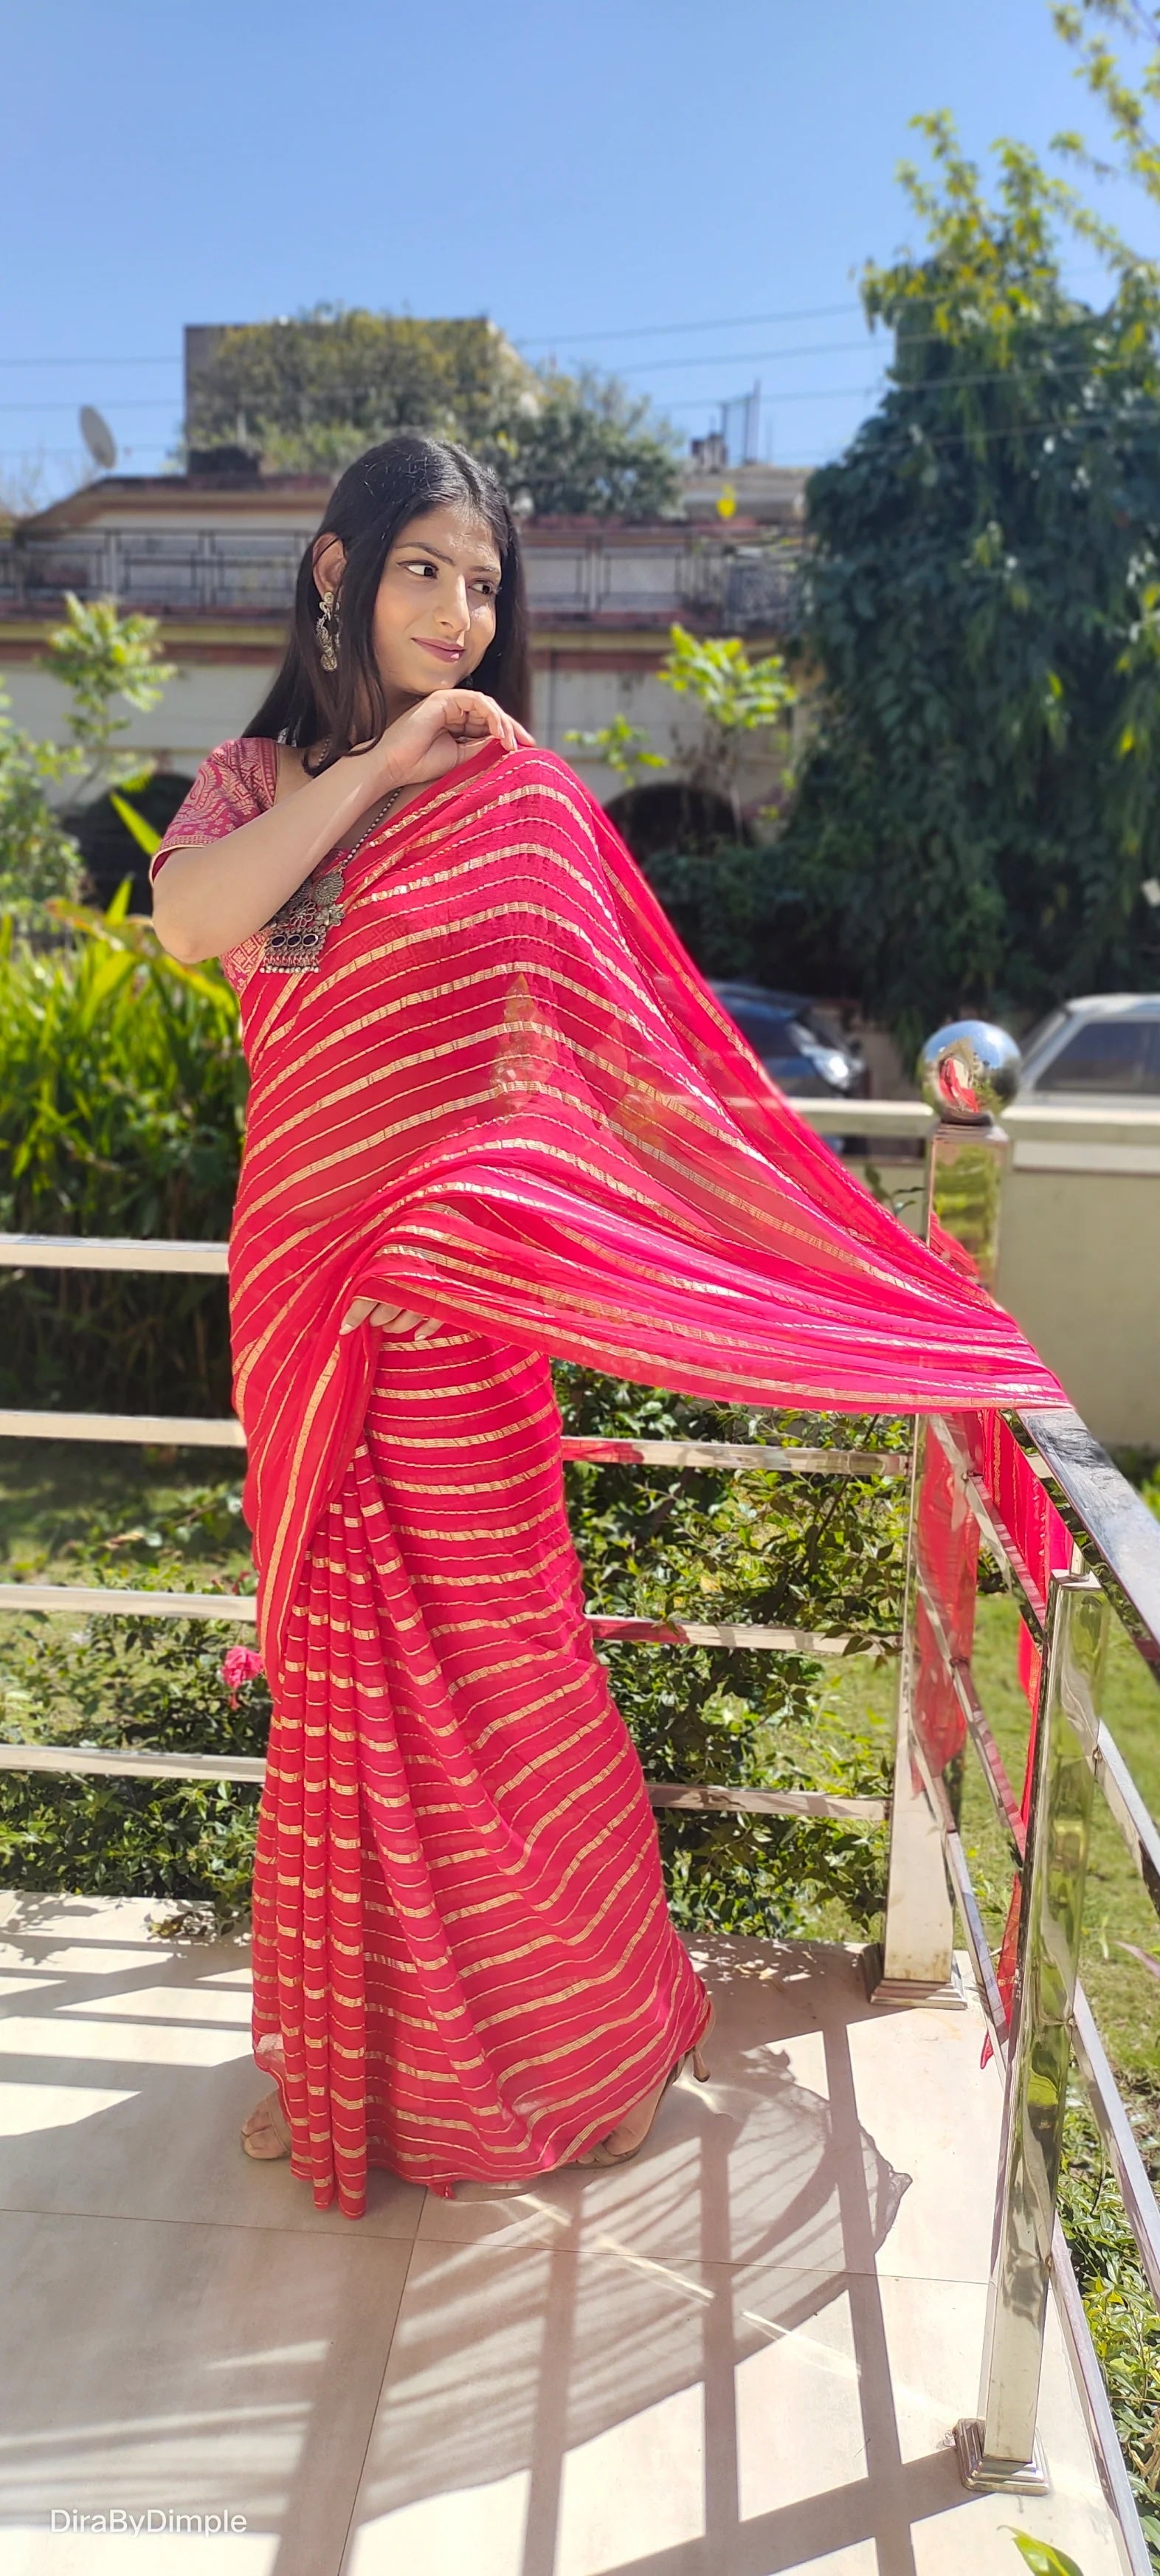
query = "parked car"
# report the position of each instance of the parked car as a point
(1102, 1049)
(800, 1049)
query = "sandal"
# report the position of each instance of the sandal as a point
(266, 2122)
(606, 2153)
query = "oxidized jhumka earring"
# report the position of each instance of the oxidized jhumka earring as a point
(327, 632)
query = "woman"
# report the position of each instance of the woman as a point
(494, 1115)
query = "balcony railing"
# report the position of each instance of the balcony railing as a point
(1076, 1546)
(210, 574)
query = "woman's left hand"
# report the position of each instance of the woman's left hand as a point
(398, 1322)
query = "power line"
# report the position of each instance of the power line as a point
(546, 340)
(723, 322)
(1143, 416)
(135, 402)
(664, 330)
(751, 357)
(171, 361)
(730, 358)
(1015, 374)
(554, 339)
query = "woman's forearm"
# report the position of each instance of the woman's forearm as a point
(208, 896)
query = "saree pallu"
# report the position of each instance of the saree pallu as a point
(505, 1098)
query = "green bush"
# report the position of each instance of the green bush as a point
(122, 1092)
(741, 916)
(1125, 2328)
(768, 1550)
(657, 1543)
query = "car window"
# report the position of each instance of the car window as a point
(1107, 1056)
(822, 1030)
(768, 1032)
(1038, 1036)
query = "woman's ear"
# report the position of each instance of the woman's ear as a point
(329, 563)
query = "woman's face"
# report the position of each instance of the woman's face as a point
(435, 612)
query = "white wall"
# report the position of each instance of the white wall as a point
(1079, 1246)
(210, 702)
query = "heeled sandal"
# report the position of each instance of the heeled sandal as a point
(605, 2154)
(273, 2122)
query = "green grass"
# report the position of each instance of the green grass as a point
(76, 1512)
(1124, 1996)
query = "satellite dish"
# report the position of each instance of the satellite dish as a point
(98, 438)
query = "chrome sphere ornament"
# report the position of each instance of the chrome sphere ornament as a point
(970, 1071)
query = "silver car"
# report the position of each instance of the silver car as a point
(1101, 1048)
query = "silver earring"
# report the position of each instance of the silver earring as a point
(327, 632)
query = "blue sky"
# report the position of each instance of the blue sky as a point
(679, 191)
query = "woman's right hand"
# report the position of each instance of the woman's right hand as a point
(399, 1323)
(443, 729)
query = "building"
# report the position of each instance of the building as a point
(214, 555)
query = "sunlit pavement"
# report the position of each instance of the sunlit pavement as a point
(743, 2353)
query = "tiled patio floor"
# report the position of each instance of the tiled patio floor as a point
(744, 2353)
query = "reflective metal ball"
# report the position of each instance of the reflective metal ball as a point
(970, 1070)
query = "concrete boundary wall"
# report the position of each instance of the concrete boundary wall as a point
(1079, 1262)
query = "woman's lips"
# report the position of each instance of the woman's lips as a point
(442, 652)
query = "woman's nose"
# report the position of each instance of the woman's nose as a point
(454, 609)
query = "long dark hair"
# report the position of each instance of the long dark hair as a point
(369, 507)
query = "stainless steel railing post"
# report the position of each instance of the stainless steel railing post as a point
(998, 2448)
(918, 1936)
(966, 1070)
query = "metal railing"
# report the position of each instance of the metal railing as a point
(213, 574)
(1045, 2024)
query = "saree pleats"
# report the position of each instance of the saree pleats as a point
(463, 1964)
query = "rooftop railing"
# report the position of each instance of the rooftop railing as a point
(176, 573)
(1076, 1547)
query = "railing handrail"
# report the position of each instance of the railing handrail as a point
(1125, 1534)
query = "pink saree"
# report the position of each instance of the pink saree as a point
(488, 1084)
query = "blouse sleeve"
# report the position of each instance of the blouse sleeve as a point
(233, 785)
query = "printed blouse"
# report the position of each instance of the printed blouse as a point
(235, 784)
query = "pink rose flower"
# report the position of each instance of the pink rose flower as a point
(239, 1665)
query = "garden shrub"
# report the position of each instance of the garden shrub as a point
(740, 914)
(122, 1092)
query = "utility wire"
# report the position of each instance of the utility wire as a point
(1015, 374)
(173, 361)
(557, 339)
(133, 402)
(731, 322)
(726, 358)
(663, 330)
(547, 340)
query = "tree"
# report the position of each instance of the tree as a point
(308, 395)
(980, 808)
(737, 698)
(1138, 149)
(312, 392)
(623, 747)
(38, 857)
(100, 658)
(582, 447)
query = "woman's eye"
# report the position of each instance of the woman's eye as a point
(419, 564)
